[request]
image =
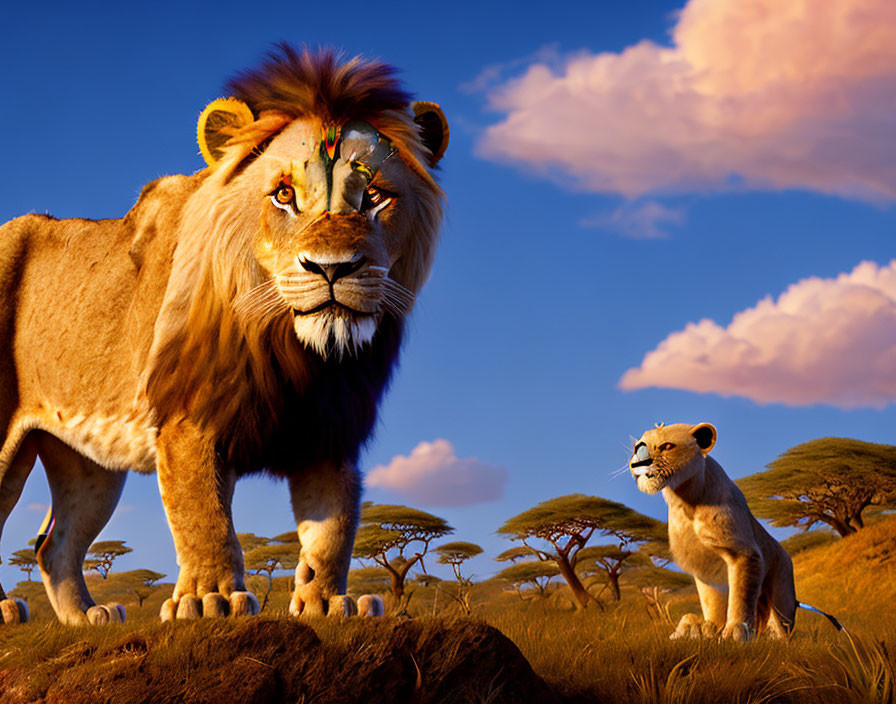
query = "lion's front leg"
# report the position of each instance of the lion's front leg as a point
(325, 502)
(197, 493)
(744, 580)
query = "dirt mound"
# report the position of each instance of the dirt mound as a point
(257, 661)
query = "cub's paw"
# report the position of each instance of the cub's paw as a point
(309, 602)
(737, 632)
(693, 626)
(101, 614)
(14, 611)
(212, 605)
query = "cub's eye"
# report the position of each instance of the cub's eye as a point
(666, 446)
(375, 200)
(284, 197)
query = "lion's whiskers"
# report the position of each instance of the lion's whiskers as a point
(260, 303)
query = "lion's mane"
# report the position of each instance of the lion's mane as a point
(235, 373)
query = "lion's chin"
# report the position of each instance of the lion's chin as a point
(333, 333)
(651, 485)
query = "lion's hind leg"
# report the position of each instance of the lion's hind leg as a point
(779, 593)
(11, 484)
(84, 495)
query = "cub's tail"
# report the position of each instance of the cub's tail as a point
(830, 618)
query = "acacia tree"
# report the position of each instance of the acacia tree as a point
(395, 530)
(829, 480)
(266, 557)
(455, 554)
(533, 573)
(609, 561)
(518, 552)
(568, 522)
(139, 583)
(103, 553)
(25, 560)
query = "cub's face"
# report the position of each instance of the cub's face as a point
(337, 211)
(669, 455)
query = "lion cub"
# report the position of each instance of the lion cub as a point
(744, 577)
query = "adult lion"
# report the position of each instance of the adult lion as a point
(243, 319)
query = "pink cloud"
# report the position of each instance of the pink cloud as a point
(637, 220)
(433, 476)
(823, 341)
(767, 94)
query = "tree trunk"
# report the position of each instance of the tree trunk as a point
(614, 585)
(582, 597)
(397, 585)
(841, 527)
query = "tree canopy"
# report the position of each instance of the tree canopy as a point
(519, 552)
(395, 530)
(567, 523)
(141, 583)
(455, 554)
(828, 480)
(25, 560)
(610, 561)
(103, 554)
(534, 574)
(267, 556)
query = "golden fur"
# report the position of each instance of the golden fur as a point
(243, 319)
(744, 577)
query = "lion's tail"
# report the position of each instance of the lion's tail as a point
(830, 618)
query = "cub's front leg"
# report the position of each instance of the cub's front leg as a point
(197, 492)
(325, 501)
(744, 581)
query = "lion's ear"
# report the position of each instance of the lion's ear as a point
(218, 123)
(433, 128)
(705, 435)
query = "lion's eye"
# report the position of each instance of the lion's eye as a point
(284, 197)
(666, 446)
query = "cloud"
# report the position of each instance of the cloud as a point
(433, 476)
(763, 94)
(637, 220)
(40, 508)
(827, 341)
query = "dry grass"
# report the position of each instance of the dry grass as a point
(620, 655)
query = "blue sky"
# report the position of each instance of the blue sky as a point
(599, 202)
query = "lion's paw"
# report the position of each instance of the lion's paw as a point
(212, 605)
(101, 614)
(693, 626)
(371, 605)
(311, 603)
(737, 632)
(14, 611)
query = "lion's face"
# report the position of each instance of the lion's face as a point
(333, 223)
(669, 455)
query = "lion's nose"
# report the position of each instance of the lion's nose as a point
(333, 271)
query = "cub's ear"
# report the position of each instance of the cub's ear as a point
(433, 128)
(705, 435)
(218, 123)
